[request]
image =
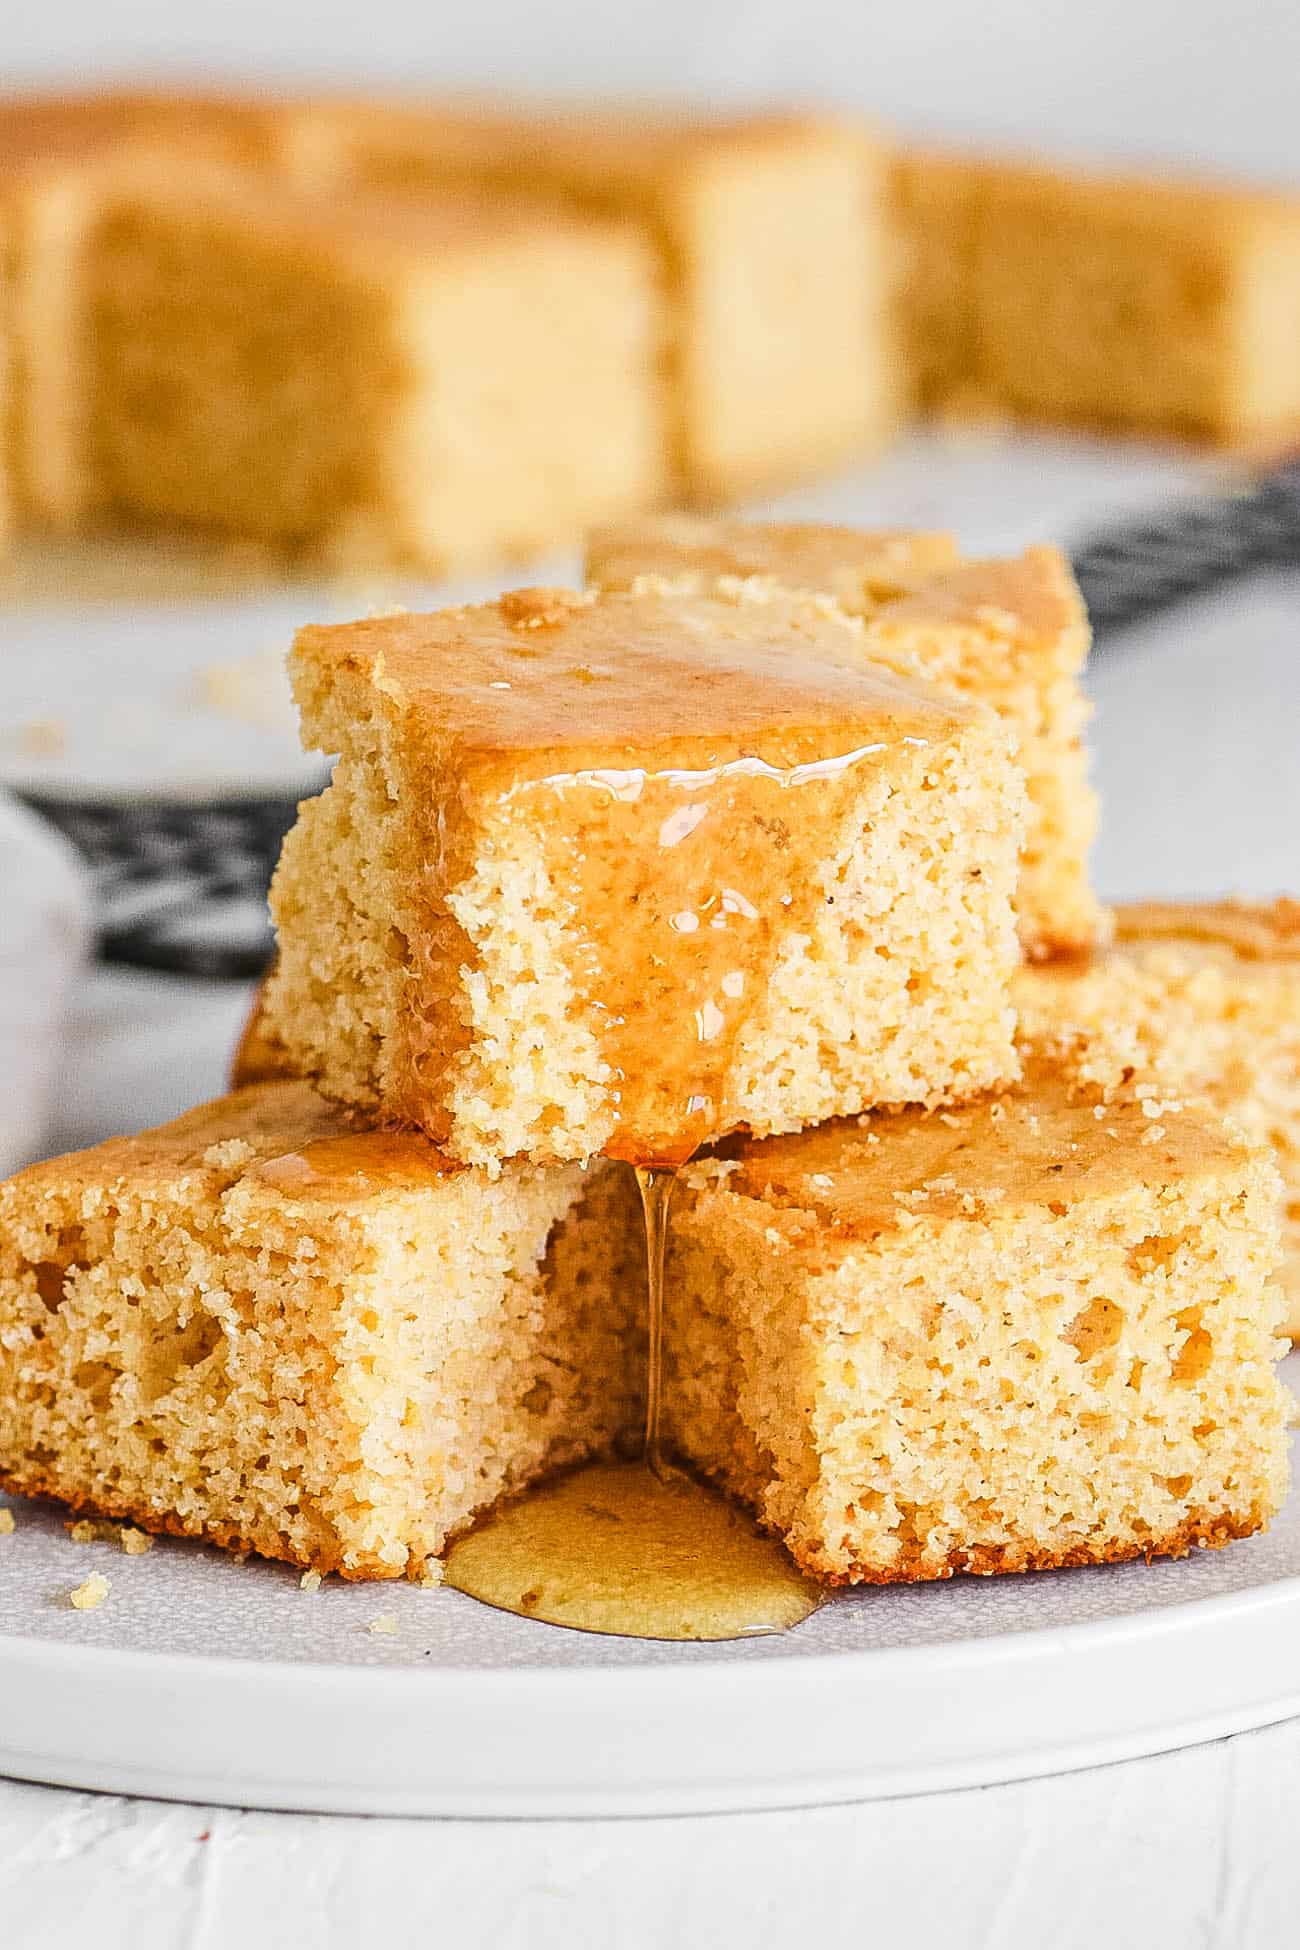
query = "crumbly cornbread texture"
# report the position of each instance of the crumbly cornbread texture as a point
(772, 236)
(1012, 633)
(1130, 300)
(625, 873)
(259, 1326)
(1035, 1331)
(1201, 998)
(430, 383)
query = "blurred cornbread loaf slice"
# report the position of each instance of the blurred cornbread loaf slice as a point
(427, 382)
(261, 1327)
(1012, 633)
(771, 233)
(1124, 300)
(934, 202)
(1036, 1330)
(623, 873)
(62, 161)
(1202, 999)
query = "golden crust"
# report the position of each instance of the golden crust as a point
(1209, 1533)
(260, 1542)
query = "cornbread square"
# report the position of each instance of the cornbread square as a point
(1012, 633)
(622, 873)
(1138, 301)
(260, 1326)
(1035, 1331)
(63, 158)
(935, 200)
(1202, 998)
(772, 233)
(480, 380)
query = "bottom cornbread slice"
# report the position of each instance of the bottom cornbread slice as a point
(1037, 1330)
(259, 1326)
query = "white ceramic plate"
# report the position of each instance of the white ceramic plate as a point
(202, 1679)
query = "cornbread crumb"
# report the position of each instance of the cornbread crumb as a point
(432, 1574)
(310, 1581)
(231, 1155)
(83, 1531)
(6, 1523)
(43, 738)
(90, 1593)
(384, 1626)
(133, 1542)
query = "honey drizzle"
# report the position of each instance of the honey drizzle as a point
(641, 1549)
(656, 1188)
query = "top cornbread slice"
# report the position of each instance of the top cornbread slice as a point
(1035, 1330)
(624, 873)
(772, 237)
(1012, 633)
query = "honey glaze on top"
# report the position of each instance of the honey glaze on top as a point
(640, 1549)
(679, 883)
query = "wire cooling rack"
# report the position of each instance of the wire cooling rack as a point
(180, 884)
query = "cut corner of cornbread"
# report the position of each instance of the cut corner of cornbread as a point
(1010, 632)
(770, 230)
(623, 873)
(264, 1327)
(1034, 1331)
(1199, 997)
(482, 378)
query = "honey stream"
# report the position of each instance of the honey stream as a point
(636, 1548)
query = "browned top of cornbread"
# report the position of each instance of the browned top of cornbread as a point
(549, 682)
(281, 1136)
(39, 130)
(379, 229)
(855, 565)
(630, 151)
(1033, 599)
(1153, 199)
(1253, 930)
(1048, 1142)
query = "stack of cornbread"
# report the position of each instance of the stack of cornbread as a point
(740, 861)
(448, 333)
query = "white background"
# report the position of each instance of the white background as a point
(1190, 79)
